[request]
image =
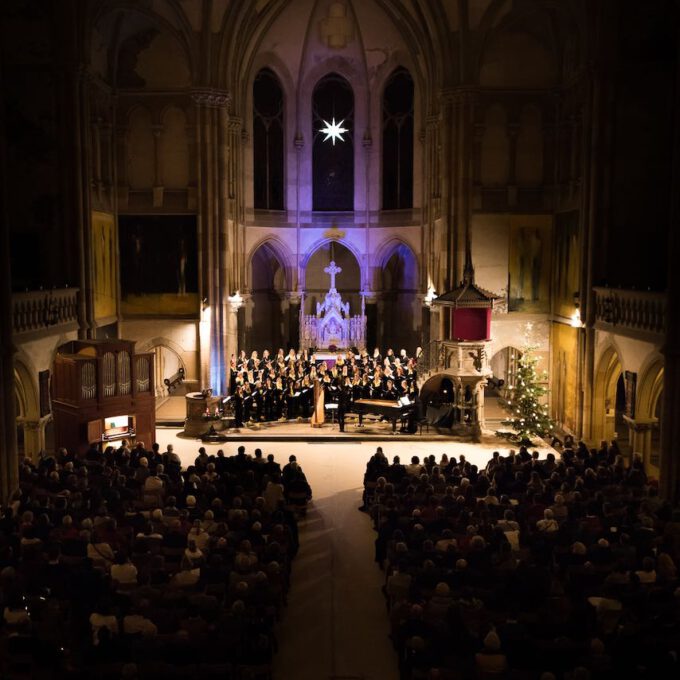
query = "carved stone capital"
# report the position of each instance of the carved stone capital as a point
(211, 97)
(235, 302)
(294, 297)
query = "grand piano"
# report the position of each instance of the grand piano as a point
(392, 410)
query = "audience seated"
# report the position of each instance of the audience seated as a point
(527, 568)
(123, 564)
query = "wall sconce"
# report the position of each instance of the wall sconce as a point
(430, 297)
(576, 321)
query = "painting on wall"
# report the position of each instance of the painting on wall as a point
(529, 264)
(566, 266)
(104, 256)
(158, 264)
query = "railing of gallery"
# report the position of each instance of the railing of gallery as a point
(633, 310)
(44, 309)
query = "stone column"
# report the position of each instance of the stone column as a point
(294, 303)
(370, 301)
(123, 188)
(9, 473)
(670, 423)
(77, 106)
(158, 175)
(513, 134)
(97, 157)
(234, 303)
(211, 173)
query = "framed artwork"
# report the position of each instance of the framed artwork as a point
(158, 264)
(529, 264)
(104, 255)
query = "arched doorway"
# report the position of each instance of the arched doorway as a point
(398, 319)
(649, 416)
(166, 364)
(347, 282)
(608, 388)
(267, 328)
(504, 364)
(30, 427)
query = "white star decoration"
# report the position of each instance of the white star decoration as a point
(333, 130)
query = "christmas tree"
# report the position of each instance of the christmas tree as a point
(528, 416)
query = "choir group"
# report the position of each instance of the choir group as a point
(281, 387)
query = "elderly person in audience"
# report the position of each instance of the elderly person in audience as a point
(590, 531)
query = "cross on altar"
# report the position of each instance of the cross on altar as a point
(332, 269)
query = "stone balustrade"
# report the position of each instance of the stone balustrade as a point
(42, 310)
(631, 312)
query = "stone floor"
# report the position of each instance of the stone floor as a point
(335, 626)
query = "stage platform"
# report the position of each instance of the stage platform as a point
(171, 413)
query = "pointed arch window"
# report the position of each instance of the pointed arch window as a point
(268, 141)
(333, 164)
(397, 147)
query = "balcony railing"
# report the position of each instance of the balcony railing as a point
(44, 310)
(630, 311)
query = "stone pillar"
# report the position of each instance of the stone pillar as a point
(670, 423)
(79, 148)
(431, 209)
(513, 134)
(294, 303)
(123, 189)
(234, 303)
(370, 299)
(97, 157)
(158, 175)
(214, 282)
(9, 473)
(204, 346)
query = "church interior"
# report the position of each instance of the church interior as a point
(442, 194)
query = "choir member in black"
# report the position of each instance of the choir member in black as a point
(237, 402)
(277, 399)
(268, 399)
(376, 388)
(247, 403)
(306, 397)
(291, 400)
(232, 374)
(258, 401)
(390, 391)
(344, 403)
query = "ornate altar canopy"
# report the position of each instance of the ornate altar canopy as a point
(332, 325)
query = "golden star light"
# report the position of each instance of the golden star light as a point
(333, 130)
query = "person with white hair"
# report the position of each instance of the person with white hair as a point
(491, 660)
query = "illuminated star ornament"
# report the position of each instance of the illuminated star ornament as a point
(333, 130)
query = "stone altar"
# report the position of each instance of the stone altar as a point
(332, 325)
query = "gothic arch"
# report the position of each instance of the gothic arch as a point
(650, 387)
(609, 369)
(281, 252)
(322, 242)
(165, 366)
(388, 248)
(26, 389)
(116, 13)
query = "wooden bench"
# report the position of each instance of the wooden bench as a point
(174, 380)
